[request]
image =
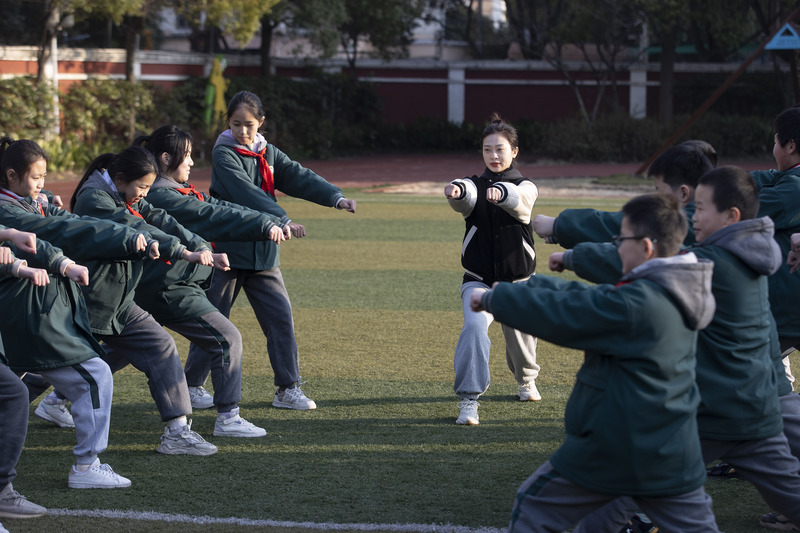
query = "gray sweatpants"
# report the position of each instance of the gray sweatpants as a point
(270, 302)
(13, 423)
(548, 503)
(220, 344)
(471, 360)
(767, 463)
(144, 344)
(89, 386)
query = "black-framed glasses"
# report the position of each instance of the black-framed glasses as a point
(616, 240)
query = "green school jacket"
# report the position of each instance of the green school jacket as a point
(213, 219)
(186, 298)
(235, 178)
(736, 368)
(631, 420)
(779, 197)
(45, 327)
(106, 248)
(574, 226)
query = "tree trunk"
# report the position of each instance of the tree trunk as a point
(133, 28)
(669, 42)
(266, 45)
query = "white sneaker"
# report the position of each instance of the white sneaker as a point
(201, 398)
(184, 441)
(232, 425)
(54, 409)
(293, 399)
(529, 393)
(469, 413)
(97, 477)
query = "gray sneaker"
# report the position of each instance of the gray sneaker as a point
(15, 505)
(184, 441)
(201, 398)
(293, 399)
(54, 409)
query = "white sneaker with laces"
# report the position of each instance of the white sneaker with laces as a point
(99, 476)
(232, 425)
(469, 413)
(528, 392)
(201, 398)
(293, 399)
(54, 409)
(184, 441)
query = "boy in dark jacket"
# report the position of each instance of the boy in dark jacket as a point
(739, 418)
(631, 420)
(675, 172)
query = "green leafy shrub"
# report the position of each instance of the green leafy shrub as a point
(324, 116)
(26, 108)
(100, 110)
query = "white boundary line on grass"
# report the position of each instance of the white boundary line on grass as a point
(327, 526)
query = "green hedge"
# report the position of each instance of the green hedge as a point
(332, 116)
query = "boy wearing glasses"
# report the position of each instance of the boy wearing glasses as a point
(631, 420)
(739, 370)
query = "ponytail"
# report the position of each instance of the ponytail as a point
(101, 162)
(129, 165)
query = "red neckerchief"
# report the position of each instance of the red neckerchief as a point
(191, 190)
(621, 283)
(41, 209)
(136, 213)
(267, 180)
(133, 211)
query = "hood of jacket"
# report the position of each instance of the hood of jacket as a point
(100, 180)
(751, 241)
(226, 139)
(165, 181)
(687, 280)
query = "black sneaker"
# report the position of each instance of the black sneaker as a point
(775, 520)
(722, 471)
(637, 525)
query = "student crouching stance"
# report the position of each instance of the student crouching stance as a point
(634, 405)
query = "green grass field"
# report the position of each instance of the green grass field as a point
(377, 311)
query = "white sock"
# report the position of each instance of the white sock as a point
(176, 423)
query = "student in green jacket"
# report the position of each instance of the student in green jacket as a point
(46, 330)
(779, 194)
(248, 171)
(113, 188)
(740, 417)
(631, 420)
(13, 401)
(674, 172)
(213, 335)
(113, 254)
